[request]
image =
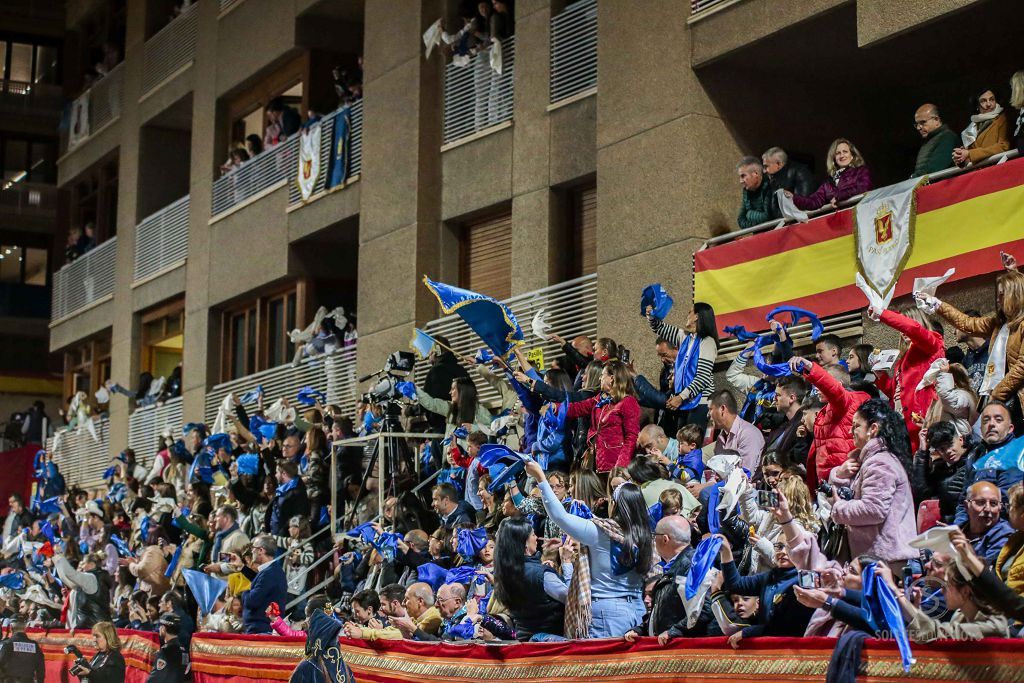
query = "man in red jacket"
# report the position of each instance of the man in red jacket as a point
(833, 435)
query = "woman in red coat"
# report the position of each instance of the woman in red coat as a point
(614, 417)
(920, 345)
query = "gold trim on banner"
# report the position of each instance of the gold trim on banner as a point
(244, 649)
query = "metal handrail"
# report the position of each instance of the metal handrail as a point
(161, 239)
(266, 169)
(170, 48)
(85, 280)
(702, 5)
(355, 151)
(475, 96)
(574, 50)
(82, 460)
(944, 174)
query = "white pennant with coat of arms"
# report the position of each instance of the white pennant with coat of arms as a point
(884, 231)
(309, 160)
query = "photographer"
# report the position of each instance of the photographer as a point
(107, 665)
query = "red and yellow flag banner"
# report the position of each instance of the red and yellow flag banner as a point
(963, 222)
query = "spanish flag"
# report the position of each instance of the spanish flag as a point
(962, 222)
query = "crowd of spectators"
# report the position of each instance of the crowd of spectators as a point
(665, 508)
(990, 131)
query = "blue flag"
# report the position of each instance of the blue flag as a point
(769, 369)
(704, 557)
(109, 472)
(431, 573)
(1006, 457)
(470, 542)
(173, 564)
(249, 464)
(144, 529)
(205, 588)
(883, 610)
(340, 156)
(492, 320)
(253, 395)
(15, 581)
(46, 529)
(122, 548)
(364, 531)
(49, 506)
(658, 299)
(308, 396)
(422, 343)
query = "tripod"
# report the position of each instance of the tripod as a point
(396, 454)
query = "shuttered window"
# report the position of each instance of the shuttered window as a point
(585, 231)
(486, 256)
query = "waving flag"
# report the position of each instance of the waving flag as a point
(658, 299)
(432, 574)
(46, 529)
(422, 343)
(14, 581)
(308, 396)
(253, 395)
(49, 506)
(364, 531)
(492, 320)
(173, 564)
(884, 613)
(796, 315)
(471, 541)
(205, 588)
(122, 548)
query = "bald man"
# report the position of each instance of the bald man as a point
(985, 528)
(667, 618)
(939, 141)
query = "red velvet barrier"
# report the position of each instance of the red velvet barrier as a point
(229, 658)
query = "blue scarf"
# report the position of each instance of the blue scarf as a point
(285, 488)
(218, 538)
(686, 368)
(883, 611)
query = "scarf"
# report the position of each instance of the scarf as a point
(218, 539)
(285, 488)
(978, 124)
(578, 614)
(686, 369)
(837, 174)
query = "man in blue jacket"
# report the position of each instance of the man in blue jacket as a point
(268, 585)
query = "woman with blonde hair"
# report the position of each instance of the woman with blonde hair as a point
(765, 531)
(107, 665)
(957, 402)
(1017, 102)
(848, 176)
(1004, 374)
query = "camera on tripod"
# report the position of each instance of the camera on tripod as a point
(398, 366)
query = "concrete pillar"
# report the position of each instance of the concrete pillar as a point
(660, 170)
(399, 224)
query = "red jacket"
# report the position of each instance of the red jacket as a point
(619, 427)
(925, 347)
(833, 427)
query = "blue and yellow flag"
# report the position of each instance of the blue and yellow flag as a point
(340, 156)
(492, 320)
(422, 343)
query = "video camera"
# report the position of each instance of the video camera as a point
(398, 366)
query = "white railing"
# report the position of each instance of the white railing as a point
(226, 4)
(146, 424)
(81, 459)
(265, 170)
(475, 96)
(334, 374)
(570, 307)
(170, 49)
(103, 103)
(355, 151)
(701, 5)
(29, 199)
(574, 50)
(161, 240)
(85, 280)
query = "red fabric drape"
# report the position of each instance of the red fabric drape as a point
(17, 468)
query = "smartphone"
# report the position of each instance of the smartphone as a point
(625, 355)
(908, 581)
(808, 579)
(226, 557)
(767, 500)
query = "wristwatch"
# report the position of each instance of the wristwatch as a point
(830, 602)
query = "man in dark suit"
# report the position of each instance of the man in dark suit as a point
(269, 585)
(290, 499)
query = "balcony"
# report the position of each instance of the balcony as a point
(161, 241)
(84, 282)
(82, 459)
(96, 108)
(355, 155)
(226, 5)
(476, 98)
(574, 52)
(334, 374)
(704, 7)
(170, 50)
(25, 99)
(261, 175)
(571, 309)
(33, 200)
(964, 219)
(146, 425)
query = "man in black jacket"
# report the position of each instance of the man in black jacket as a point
(667, 618)
(21, 658)
(784, 174)
(290, 499)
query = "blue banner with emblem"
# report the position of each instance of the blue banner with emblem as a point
(340, 148)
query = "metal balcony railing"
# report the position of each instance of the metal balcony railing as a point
(146, 424)
(84, 281)
(570, 307)
(333, 374)
(161, 240)
(264, 171)
(170, 49)
(475, 96)
(226, 4)
(81, 459)
(574, 50)
(102, 105)
(701, 5)
(23, 98)
(29, 199)
(355, 160)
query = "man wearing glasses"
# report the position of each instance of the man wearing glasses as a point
(936, 151)
(985, 528)
(269, 585)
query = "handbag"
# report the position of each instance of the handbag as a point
(835, 544)
(588, 459)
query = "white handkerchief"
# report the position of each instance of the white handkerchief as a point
(496, 55)
(723, 464)
(102, 395)
(432, 37)
(788, 208)
(693, 607)
(226, 407)
(937, 540)
(541, 326)
(928, 285)
(730, 493)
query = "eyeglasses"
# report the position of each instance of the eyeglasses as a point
(922, 124)
(982, 504)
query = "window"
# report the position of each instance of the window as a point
(162, 339)
(486, 256)
(583, 227)
(256, 333)
(20, 63)
(29, 63)
(87, 366)
(94, 200)
(21, 265)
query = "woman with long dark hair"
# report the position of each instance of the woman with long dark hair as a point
(462, 410)
(534, 593)
(617, 553)
(879, 519)
(988, 132)
(693, 375)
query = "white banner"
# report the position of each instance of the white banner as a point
(78, 130)
(309, 160)
(884, 232)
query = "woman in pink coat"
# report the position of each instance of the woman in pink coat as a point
(879, 520)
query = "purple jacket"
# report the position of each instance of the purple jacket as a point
(852, 182)
(880, 518)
